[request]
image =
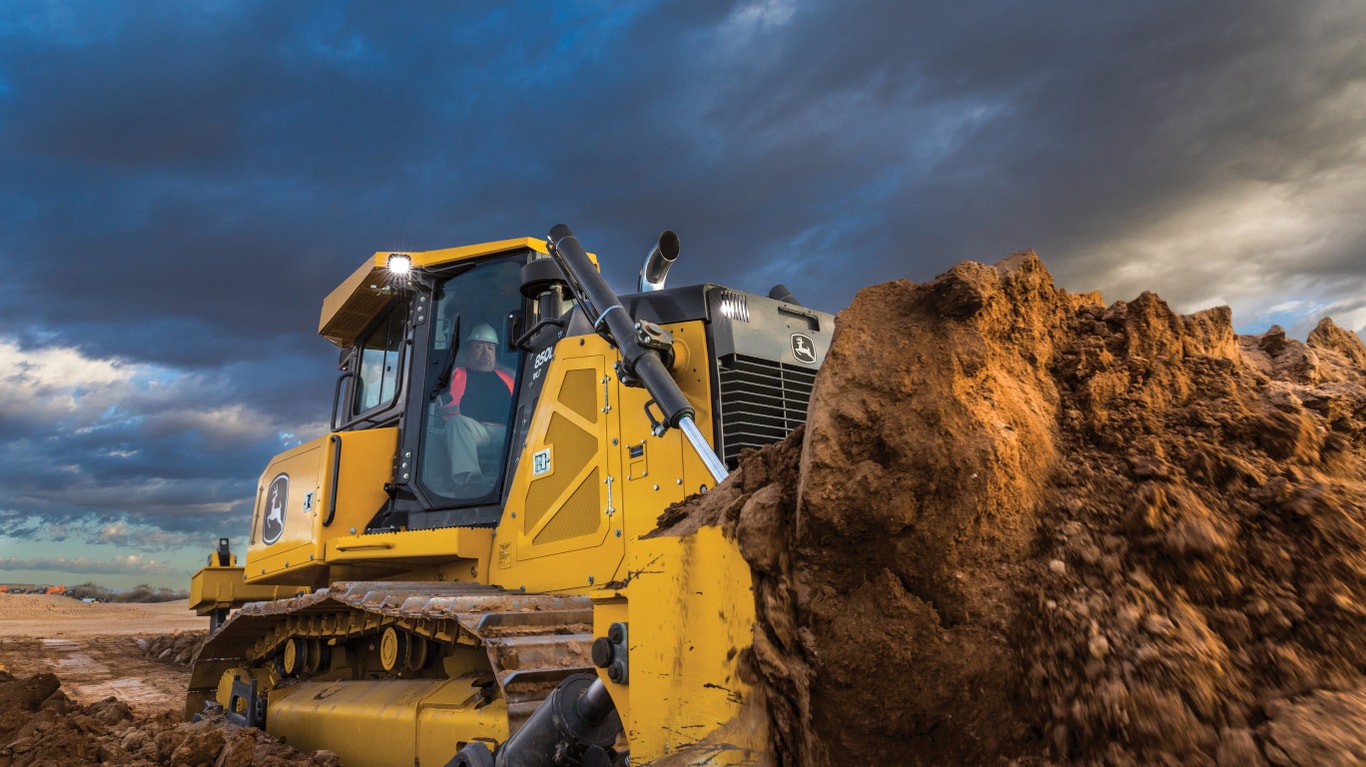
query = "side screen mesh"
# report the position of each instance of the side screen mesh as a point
(761, 402)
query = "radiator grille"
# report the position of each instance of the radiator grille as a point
(761, 402)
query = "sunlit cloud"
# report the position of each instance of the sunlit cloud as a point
(1266, 250)
(117, 453)
(144, 537)
(129, 564)
(84, 395)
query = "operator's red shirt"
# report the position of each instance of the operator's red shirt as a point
(484, 396)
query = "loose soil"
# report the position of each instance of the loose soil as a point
(1024, 527)
(86, 684)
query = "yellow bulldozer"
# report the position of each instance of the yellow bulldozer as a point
(462, 571)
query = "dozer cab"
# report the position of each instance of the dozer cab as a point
(459, 571)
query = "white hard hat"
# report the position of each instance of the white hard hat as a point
(482, 332)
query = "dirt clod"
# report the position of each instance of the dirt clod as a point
(179, 647)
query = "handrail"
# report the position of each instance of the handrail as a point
(336, 397)
(336, 479)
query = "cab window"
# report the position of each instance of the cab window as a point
(472, 384)
(377, 377)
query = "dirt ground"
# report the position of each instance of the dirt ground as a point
(93, 648)
(86, 684)
(53, 616)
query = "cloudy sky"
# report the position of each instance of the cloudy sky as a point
(182, 182)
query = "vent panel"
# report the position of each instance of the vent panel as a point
(761, 402)
(580, 514)
(573, 448)
(578, 393)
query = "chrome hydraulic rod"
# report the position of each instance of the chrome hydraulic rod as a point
(704, 451)
(595, 703)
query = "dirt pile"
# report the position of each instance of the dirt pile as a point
(41, 726)
(1022, 526)
(178, 647)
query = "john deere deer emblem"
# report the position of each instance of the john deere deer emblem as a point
(803, 348)
(277, 496)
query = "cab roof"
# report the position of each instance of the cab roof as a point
(353, 304)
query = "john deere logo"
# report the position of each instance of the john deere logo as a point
(803, 348)
(277, 496)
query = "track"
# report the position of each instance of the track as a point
(531, 641)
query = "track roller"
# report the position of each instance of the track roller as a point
(417, 654)
(393, 648)
(295, 658)
(315, 656)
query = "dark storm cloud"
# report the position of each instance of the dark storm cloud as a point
(1183, 109)
(263, 130)
(1063, 127)
(181, 184)
(88, 443)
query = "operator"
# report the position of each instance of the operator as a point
(480, 399)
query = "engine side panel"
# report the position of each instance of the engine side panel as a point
(312, 495)
(558, 529)
(592, 476)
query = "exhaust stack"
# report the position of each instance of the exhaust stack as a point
(657, 264)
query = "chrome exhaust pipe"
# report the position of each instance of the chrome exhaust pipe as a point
(657, 264)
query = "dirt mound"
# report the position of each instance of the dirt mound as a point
(41, 726)
(1024, 526)
(178, 647)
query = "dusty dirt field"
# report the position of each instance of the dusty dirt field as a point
(36, 615)
(104, 684)
(92, 648)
